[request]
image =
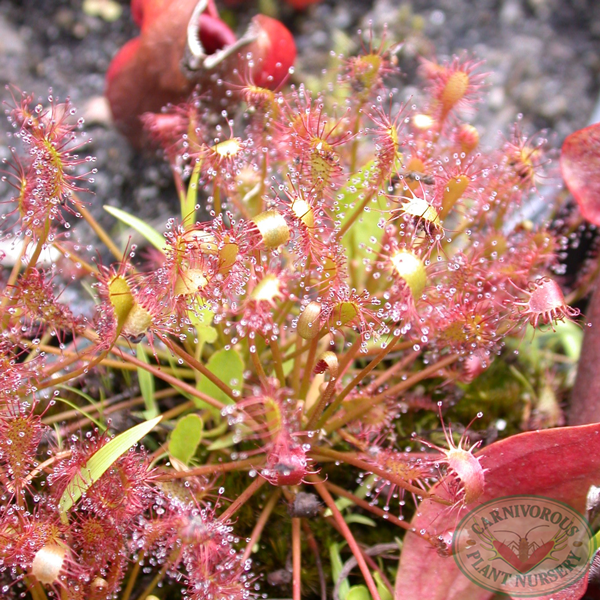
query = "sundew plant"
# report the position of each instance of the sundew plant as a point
(344, 269)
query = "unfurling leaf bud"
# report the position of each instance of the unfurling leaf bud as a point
(302, 209)
(467, 137)
(411, 269)
(421, 209)
(273, 228)
(328, 361)
(137, 323)
(309, 321)
(47, 563)
(98, 589)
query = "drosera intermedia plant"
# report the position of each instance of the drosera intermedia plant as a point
(359, 263)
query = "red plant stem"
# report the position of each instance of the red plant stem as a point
(345, 457)
(277, 361)
(403, 363)
(38, 249)
(349, 356)
(69, 360)
(312, 543)
(420, 375)
(76, 259)
(369, 402)
(308, 366)
(132, 577)
(296, 560)
(360, 376)
(357, 379)
(243, 498)
(358, 211)
(320, 406)
(35, 472)
(260, 523)
(317, 409)
(345, 530)
(105, 407)
(98, 230)
(177, 383)
(12, 279)
(217, 198)
(300, 350)
(196, 364)
(375, 567)
(259, 368)
(35, 589)
(401, 346)
(181, 191)
(106, 361)
(213, 469)
(336, 489)
(73, 374)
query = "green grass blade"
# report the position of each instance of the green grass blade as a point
(146, 381)
(145, 230)
(81, 411)
(100, 462)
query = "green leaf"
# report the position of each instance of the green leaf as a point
(79, 410)
(342, 504)
(364, 235)
(146, 380)
(189, 201)
(96, 405)
(145, 230)
(353, 192)
(336, 568)
(223, 442)
(360, 519)
(228, 366)
(358, 592)
(202, 319)
(186, 437)
(570, 336)
(384, 592)
(100, 462)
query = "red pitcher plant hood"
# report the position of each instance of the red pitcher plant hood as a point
(184, 44)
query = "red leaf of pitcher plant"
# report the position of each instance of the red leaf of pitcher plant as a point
(557, 463)
(580, 166)
(158, 68)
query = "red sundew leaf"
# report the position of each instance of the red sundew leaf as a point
(557, 463)
(580, 166)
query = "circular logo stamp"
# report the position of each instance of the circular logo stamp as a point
(523, 546)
